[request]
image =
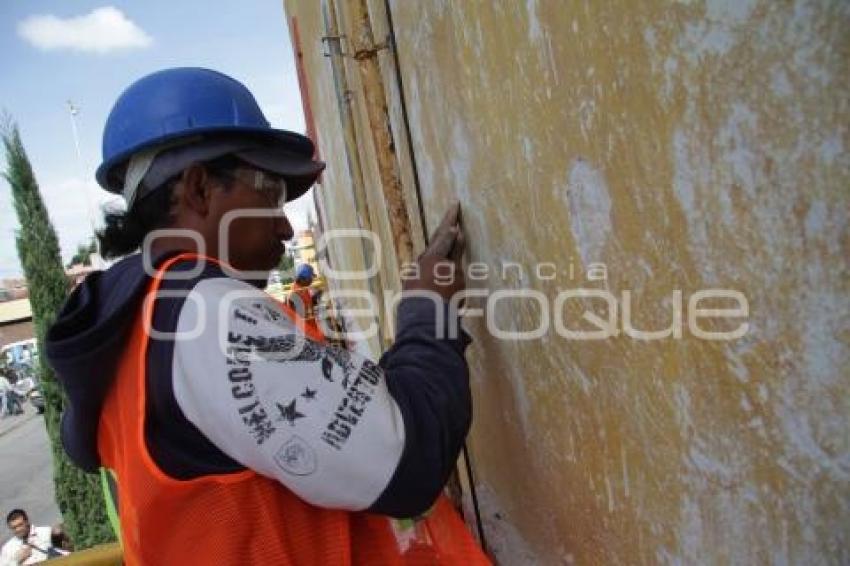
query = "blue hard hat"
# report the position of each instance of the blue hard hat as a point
(186, 102)
(304, 271)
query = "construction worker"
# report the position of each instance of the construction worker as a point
(302, 299)
(232, 434)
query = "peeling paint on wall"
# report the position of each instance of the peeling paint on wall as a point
(590, 210)
(685, 145)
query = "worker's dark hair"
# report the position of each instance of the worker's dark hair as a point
(125, 230)
(14, 514)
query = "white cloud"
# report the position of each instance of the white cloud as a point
(100, 31)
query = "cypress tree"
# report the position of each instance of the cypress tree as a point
(78, 494)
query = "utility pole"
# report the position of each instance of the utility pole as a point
(73, 110)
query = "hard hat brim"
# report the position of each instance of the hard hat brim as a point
(297, 146)
(300, 173)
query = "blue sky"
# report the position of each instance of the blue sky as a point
(52, 51)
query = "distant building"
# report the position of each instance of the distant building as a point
(15, 321)
(304, 249)
(13, 288)
(15, 310)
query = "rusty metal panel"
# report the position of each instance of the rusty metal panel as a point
(337, 194)
(651, 150)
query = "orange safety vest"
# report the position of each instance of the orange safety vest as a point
(303, 299)
(245, 518)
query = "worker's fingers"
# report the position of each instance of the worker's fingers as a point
(451, 217)
(443, 237)
(456, 253)
(443, 241)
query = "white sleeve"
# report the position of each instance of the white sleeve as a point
(318, 419)
(7, 554)
(44, 537)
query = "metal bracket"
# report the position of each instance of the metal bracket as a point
(328, 38)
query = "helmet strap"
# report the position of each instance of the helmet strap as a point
(140, 164)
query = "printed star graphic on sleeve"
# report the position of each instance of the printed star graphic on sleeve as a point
(289, 413)
(309, 394)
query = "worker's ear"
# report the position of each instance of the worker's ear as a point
(196, 190)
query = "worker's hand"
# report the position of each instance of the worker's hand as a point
(23, 553)
(440, 268)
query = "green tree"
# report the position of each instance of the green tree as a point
(286, 267)
(78, 494)
(83, 254)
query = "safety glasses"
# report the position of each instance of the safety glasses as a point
(272, 186)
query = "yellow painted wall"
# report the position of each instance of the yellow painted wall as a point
(685, 145)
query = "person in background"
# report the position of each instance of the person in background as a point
(30, 544)
(5, 387)
(10, 400)
(60, 539)
(302, 299)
